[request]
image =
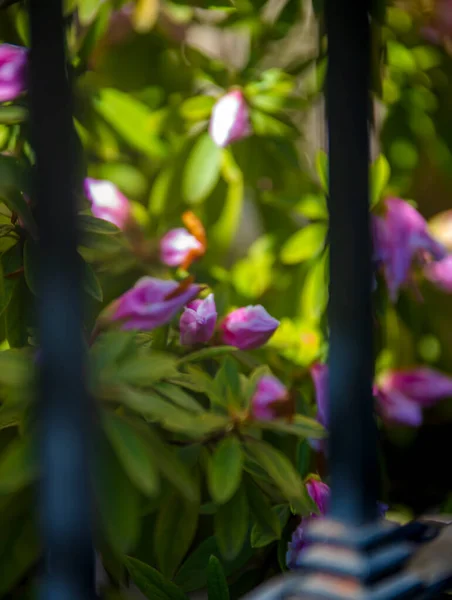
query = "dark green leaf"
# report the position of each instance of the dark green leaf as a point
(227, 381)
(267, 525)
(133, 453)
(9, 115)
(171, 467)
(18, 465)
(94, 225)
(303, 458)
(231, 525)
(152, 583)
(146, 369)
(31, 265)
(15, 368)
(17, 316)
(281, 470)
(174, 532)
(10, 262)
(178, 396)
(16, 203)
(217, 586)
(304, 244)
(301, 426)
(22, 552)
(206, 353)
(118, 500)
(263, 533)
(91, 284)
(225, 470)
(202, 170)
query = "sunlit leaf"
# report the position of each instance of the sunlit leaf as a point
(202, 170)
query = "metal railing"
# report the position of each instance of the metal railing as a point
(353, 555)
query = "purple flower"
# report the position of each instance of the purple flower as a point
(320, 493)
(176, 245)
(229, 121)
(402, 394)
(107, 202)
(249, 327)
(150, 304)
(197, 322)
(13, 71)
(320, 377)
(440, 273)
(399, 238)
(268, 390)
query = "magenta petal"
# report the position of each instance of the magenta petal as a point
(248, 328)
(423, 385)
(320, 493)
(13, 71)
(176, 245)
(107, 202)
(440, 273)
(230, 119)
(394, 407)
(197, 323)
(268, 390)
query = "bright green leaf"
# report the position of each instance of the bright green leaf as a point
(202, 170)
(314, 295)
(321, 165)
(380, 172)
(197, 108)
(304, 244)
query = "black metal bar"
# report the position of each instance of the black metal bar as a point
(352, 443)
(65, 410)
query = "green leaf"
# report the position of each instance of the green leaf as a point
(231, 525)
(314, 296)
(178, 396)
(16, 317)
(380, 173)
(9, 115)
(16, 203)
(193, 573)
(313, 206)
(267, 526)
(227, 382)
(321, 165)
(264, 533)
(197, 108)
(170, 465)
(23, 550)
(18, 465)
(174, 532)
(15, 368)
(281, 470)
(202, 170)
(87, 11)
(118, 500)
(304, 244)
(225, 470)
(217, 586)
(265, 125)
(91, 284)
(160, 192)
(146, 369)
(301, 426)
(152, 583)
(31, 264)
(133, 453)
(132, 119)
(206, 353)
(95, 225)
(111, 346)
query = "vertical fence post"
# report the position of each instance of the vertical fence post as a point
(65, 411)
(353, 442)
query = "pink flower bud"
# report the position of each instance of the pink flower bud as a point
(229, 121)
(268, 390)
(399, 238)
(249, 327)
(107, 202)
(149, 304)
(402, 394)
(320, 493)
(13, 71)
(176, 245)
(440, 273)
(197, 322)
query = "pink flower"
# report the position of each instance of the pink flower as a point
(13, 71)
(176, 245)
(268, 390)
(249, 327)
(402, 394)
(197, 322)
(107, 202)
(320, 493)
(229, 121)
(399, 238)
(440, 273)
(149, 303)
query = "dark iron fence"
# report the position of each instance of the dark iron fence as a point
(353, 554)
